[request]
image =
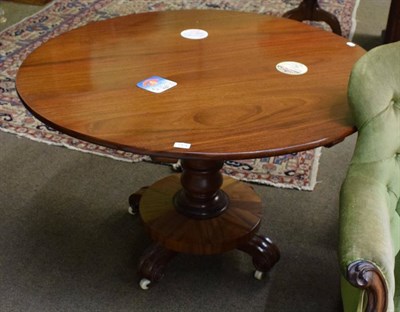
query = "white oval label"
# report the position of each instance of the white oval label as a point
(292, 68)
(194, 34)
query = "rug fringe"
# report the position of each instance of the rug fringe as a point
(310, 187)
(51, 143)
(354, 20)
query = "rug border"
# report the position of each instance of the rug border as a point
(354, 20)
(28, 17)
(351, 32)
(309, 187)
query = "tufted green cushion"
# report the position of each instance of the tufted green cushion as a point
(369, 199)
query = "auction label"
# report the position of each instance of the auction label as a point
(194, 34)
(182, 145)
(292, 68)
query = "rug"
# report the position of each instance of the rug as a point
(296, 171)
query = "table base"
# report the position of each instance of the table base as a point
(174, 232)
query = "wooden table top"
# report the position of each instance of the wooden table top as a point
(230, 102)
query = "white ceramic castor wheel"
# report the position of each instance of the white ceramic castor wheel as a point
(258, 275)
(144, 283)
(132, 211)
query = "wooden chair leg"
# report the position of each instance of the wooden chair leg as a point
(392, 32)
(311, 11)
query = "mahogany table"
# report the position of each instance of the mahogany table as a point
(230, 102)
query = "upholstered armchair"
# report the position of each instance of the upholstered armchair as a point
(370, 195)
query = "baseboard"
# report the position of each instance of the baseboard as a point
(34, 2)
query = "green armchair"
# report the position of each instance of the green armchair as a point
(370, 196)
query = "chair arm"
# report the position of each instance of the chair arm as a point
(365, 245)
(366, 275)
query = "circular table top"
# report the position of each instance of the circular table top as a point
(230, 101)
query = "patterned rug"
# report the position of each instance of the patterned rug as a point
(297, 170)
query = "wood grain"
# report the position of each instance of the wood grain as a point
(230, 101)
(176, 232)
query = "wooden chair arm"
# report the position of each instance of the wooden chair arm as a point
(365, 275)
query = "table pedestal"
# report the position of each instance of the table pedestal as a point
(200, 212)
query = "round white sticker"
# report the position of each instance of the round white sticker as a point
(351, 44)
(194, 34)
(292, 68)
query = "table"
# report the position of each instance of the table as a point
(230, 102)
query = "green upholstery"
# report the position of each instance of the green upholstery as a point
(370, 194)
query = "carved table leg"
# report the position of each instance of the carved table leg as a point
(152, 264)
(311, 11)
(264, 253)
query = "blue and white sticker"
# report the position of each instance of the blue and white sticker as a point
(156, 84)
